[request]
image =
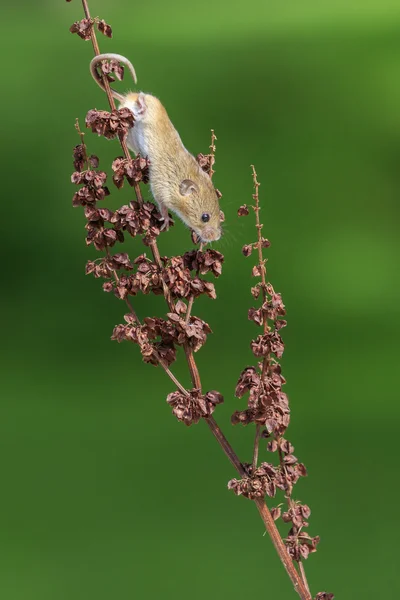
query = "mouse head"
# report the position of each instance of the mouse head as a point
(200, 207)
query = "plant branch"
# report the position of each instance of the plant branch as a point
(212, 153)
(191, 299)
(194, 373)
(303, 576)
(97, 52)
(172, 376)
(281, 549)
(265, 514)
(262, 269)
(256, 446)
(211, 173)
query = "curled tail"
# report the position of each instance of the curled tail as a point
(99, 79)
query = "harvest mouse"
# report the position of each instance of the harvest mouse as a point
(177, 181)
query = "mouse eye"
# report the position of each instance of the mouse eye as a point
(205, 217)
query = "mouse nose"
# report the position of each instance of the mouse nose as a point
(210, 234)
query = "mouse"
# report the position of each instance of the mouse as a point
(177, 181)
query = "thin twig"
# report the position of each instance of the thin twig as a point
(171, 375)
(281, 549)
(262, 269)
(225, 445)
(291, 504)
(256, 446)
(82, 136)
(264, 513)
(303, 575)
(191, 299)
(212, 153)
(97, 52)
(211, 173)
(127, 301)
(261, 260)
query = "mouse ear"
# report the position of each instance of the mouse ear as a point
(138, 107)
(187, 187)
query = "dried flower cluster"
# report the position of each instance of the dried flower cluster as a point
(180, 280)
(112, 66)
(190, 408)
(205, 161)
(84, 28)
(160, 337)
(265, 479)
(110, 124)
(133, 169)
(267, 405)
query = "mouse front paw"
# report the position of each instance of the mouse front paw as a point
(165, 218)
(165, 225)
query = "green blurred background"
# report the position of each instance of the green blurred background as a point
(104, 494)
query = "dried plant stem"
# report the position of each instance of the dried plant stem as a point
(256, 446)
(262, 269)
(213, 149)
(303, 575)
(191, 299)
(82, 136)
(194, 373)
(291, 505)
(259, 226)
(225, 445)
(97, 52)
(281, 549)
(189, 308)
(131, 309)
(211, 173)
(265, 515)
(172, 377)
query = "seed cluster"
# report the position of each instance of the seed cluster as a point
(133, 169)
(191, 408)
(110, 124)
(84, 28)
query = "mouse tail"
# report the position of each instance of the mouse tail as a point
(99, 79)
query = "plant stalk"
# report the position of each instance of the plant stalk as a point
(196, 381)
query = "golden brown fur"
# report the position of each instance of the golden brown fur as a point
(177, 181)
